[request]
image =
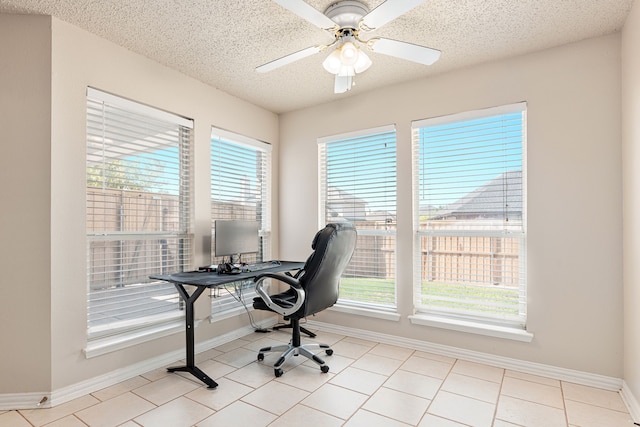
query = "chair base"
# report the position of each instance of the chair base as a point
(293, 350)
(289, 325)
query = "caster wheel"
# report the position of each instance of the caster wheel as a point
(260, 356)
(278, 372)
(329, 352)
(324, 369)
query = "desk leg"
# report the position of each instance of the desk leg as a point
(191, 367)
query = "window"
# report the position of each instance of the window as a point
(358, 184)
(240, 189)
(138, 214)
(470, 216)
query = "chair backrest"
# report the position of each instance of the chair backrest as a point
(333, 247)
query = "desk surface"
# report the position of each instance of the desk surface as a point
(213, 279)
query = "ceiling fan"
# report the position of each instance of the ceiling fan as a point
(347, 20)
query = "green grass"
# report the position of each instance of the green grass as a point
(478, 298)
(368, 290)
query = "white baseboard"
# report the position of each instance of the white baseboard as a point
(25, 401)
(570, 375)
(632, 403)
(33, 400)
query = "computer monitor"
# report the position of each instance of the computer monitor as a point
(235, 237)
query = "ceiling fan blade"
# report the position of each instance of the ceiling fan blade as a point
(277, 63)
(307, 12)
(342, 83)
(409, 51)
(387, 11)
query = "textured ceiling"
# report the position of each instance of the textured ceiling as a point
(220, 42)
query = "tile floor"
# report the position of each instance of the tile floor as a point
(369, 384)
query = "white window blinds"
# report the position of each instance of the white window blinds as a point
(240, 189)
(470, 215)
(358, 184)
(138, 213)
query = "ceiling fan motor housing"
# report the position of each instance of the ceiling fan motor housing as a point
(346, 14)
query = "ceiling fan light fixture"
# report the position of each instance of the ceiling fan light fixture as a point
(347, 60)
(363, 63)
(332, 63)
(349, 53)
(347, 70)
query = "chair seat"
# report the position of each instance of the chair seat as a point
(284, 299)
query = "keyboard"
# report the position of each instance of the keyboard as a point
(259, 266)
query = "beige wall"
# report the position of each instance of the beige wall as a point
(574, 194)
(42, 112)
(631, 194)
(25, 168)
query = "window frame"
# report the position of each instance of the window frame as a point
(466, 320)
(235, 297)
(113, 335)
(387, 134)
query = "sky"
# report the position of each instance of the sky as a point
(455, 159)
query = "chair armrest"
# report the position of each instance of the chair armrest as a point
(293, 284)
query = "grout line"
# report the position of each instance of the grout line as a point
(564, 403)
(369, 351)
(495, 409)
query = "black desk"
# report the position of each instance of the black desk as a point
(202, 281)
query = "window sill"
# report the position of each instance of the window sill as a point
(378, 314)
(98, 347)
(505, 332)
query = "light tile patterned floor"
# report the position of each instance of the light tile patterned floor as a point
(369, 384)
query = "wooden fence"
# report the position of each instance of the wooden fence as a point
(466, 259)
(134, 234)
(470, 260)
(140, 239)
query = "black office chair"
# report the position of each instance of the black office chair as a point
(311, 290)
